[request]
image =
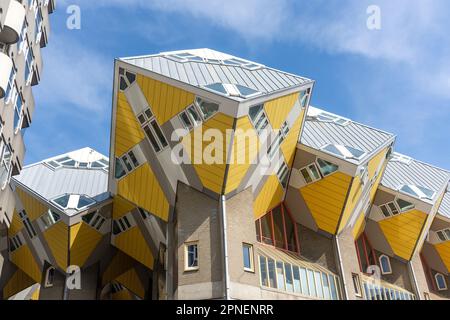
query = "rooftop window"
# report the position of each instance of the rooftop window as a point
(68, 162)
(396, 157)
(71, 201)
(232, 90)
(344, 152)
(417, 192)
(183, 57)
(329, 117)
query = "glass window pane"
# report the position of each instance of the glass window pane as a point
(296, 274)
(272, 274)
(289, 280)
(326, 168)
(159, 134)
(333, 289)
(404, 205)
(119, 170)
(314, 173)
(280, 275)
(318, 281)
(326, 286)
(152, 138)
(311, 284)
(207, 108)
(278, 227)
(385, 211)
(266, 225)
(263, 269)
(304, 282)
(306, 175)
(254, 112)
(246, 251)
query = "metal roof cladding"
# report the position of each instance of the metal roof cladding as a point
(203, 67)
(48, 183)
(323, 128)
(444, 209)
(416, 173)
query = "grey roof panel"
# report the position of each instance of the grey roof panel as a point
(201, 73)
(415, 173)
(444, 209)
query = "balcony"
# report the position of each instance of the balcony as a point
(11, 21)
(6, 66)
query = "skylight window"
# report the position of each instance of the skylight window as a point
(232, 90)
(344, 152)
(328, 117)
(396, 157)
(68, 162)
(71, 201)
(418, 192)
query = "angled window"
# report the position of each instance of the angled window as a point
(190, 118)
(27, 223)
(5, 164)
(11, 89)
(326, 168)
(304, 98)
(191, 256)
(121, 225)
(418, 192)
(29, 63)
(94, 219)
(126, 164)
(126, 79)
(15, 243)
(344, 152)
(440, 282)
(310, 173)
(404, 205)
(50, 218)
(259, 118)
(22, 37)
(283, 174)
(207, 108)
(49, 277)
(444, 235)
(357, 284)
(385, 264)
(247, 255)
(119, 170)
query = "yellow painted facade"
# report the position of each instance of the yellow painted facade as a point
(132, 242)
(269, 197)
(326, 199)
(57, 237)
(118, 265)
(443, 250)
(83, 241)
(166, 101)
(121, 207)
(359, 226)
(16, 225)
(212, 175)
(278, 109)
(132, 282)
(244, 152)
(32, 206)
(128, 132)
(289, 145)
(17, 283)
(142, 188)
(402, 232)
(24, 260)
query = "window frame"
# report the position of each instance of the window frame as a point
(261, 121)
(188, 268)
(251, 256)
(437, 282)
(320, 170)
(283, 174)
(47, 282)
(357, 285)
(385, 272)
(397, 207)
(308, 170)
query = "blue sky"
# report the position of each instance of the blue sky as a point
(396, 79)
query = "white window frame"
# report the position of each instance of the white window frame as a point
(18, 126)
(397, 207)
(124, 76)
(274, 147)
(282, 174)
(31, 231)
(200, 111)
(22, 37)
(17, 241)
(11, 94)
(307, 168)
(261, 118)
(437, 282)
(125, 159)
(3, 163)
(250, 251)
(186, 256)
(148, 124)
(49, 214)
(344, 152)
(97, 221)
(28, 64)
(357, 285)
(192, 122)
(445, 233)
(124, 223)
(47, 282)
(418, 193)
(381, 264)
(304, 98)
(319, 168)
(38, 31)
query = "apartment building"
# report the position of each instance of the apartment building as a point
(224, 183)
(24, 30)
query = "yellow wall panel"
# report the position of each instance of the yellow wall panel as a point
(269, 197)
(16, 225)
(289, 145)
(132, 282)
(166, 101)
(84, 240)
(122, 295)
(33, 207)
(128, 131)
(118, 265)
(57, 238)
(212, 175)
(359, 226)
(277, 110)
(24, 260)
(326, 198)
(18, 282)
(444, 252)
(142, 188)
(121, 207)
(132, 242)
(402, 232)
(244, 152)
